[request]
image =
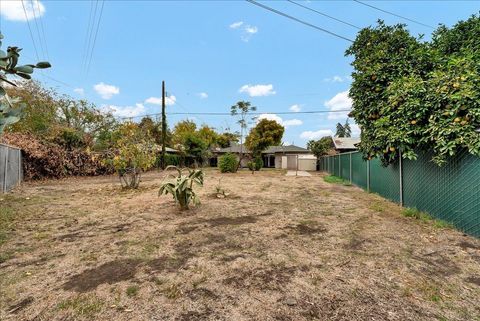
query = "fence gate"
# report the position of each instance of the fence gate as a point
(11, 173)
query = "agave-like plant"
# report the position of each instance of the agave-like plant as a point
(11, 109)
(181, 187)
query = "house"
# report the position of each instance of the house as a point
(286, 157)
(345, 144)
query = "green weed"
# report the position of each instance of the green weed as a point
(425, 217)
(82, 305)
(132, 290)
(336, 180)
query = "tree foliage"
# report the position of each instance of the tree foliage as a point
(133, 153)
(343, 130)
(321, 146)
(409, 94)
(265, 134)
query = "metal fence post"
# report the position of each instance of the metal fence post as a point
(339, 165)
(368, 175)
(5, 173)
(350, 168)
(401, 177)
(19, 166)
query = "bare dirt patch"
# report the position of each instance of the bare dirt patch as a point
(111, 272)
(282, 248)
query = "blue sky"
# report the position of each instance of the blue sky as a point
(211, 54)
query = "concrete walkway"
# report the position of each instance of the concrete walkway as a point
(299, 173)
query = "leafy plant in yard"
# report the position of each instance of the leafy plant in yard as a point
(336, 180)
(228, 163)
(11, 109)
(265, 134)
(181, 187)
(133, 153)
(409, 94)
(256, 164)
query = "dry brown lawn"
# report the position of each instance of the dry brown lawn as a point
(277, 248)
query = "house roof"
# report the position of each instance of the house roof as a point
(345, 142)
(270, 150)
(286, 149)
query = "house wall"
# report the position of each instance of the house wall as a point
(307, 164)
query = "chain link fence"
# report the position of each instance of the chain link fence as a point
(450, 192)
(11, 173)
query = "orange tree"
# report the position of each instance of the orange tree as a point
(409, 94)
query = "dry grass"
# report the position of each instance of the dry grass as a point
(277, 248)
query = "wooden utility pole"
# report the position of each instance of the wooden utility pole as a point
(164, 126)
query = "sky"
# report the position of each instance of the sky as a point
(211, 54)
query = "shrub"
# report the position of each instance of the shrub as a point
(133, 154)
(228, 163)
(43, 159)
(256, 164)
(181, 187)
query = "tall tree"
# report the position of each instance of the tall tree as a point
(265, 134)
(241, 110)
(182, 129)
(343, 130)
(320, 147)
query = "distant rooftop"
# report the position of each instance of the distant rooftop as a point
(345, 142)
(271, 150)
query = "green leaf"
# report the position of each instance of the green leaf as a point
(2, 92)
(24, 69)
(25, 76)
(43, 65)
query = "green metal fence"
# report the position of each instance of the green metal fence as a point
(450, 192)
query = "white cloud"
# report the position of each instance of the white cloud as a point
(355, 130)
(125, 111)
(106, 91)
(278, 119)
(257, 90)
(169, 100)
(251, 29)
(79, 91)
(337, 78)
(292, 122)
(236, 25)
(13, 10)
(246, 32)
(295, 108)
(316, 134)
(203, 95)
(340, 101)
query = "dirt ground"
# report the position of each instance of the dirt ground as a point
(276, 248)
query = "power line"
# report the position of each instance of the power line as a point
(43, 30)
(38, 29)
(30, 29)
(251, 113)
(298, 20)
(324, 14)
(86, 43)
(95, 39)
(394, 14)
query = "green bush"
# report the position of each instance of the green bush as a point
(170, 159)
(256, 164)
(228, 163)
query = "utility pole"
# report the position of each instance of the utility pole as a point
(164, 125)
